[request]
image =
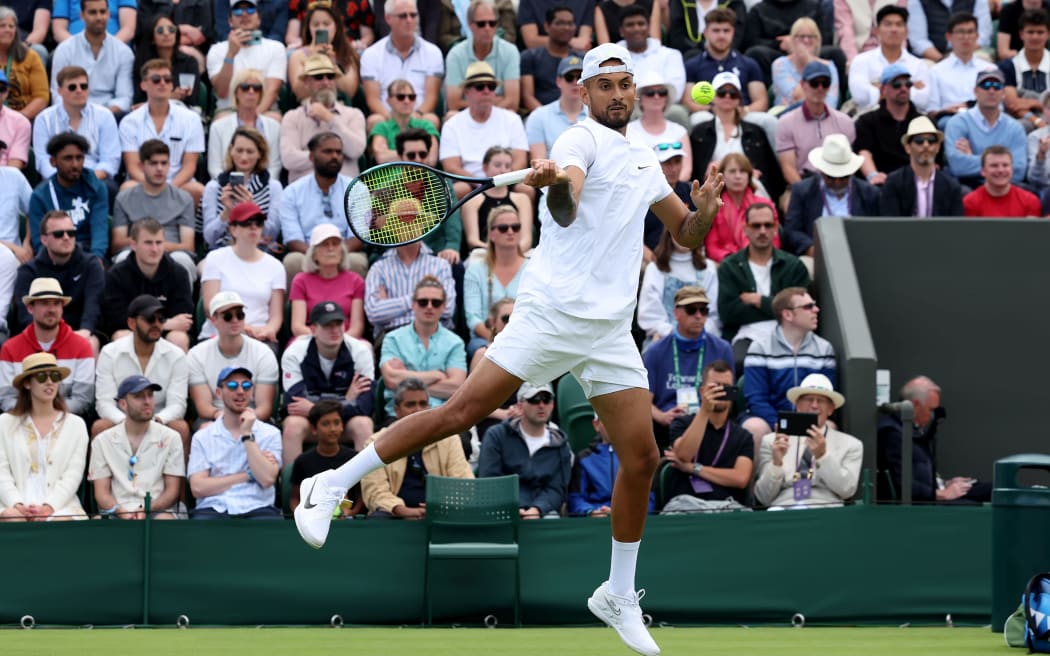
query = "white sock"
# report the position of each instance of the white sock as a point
(621, 567)
(351, 473)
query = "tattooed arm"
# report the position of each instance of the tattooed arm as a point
(690, 228)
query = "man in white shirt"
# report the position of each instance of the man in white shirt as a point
(953, 78)
(866, 70)
(107, 60)
(651, 56)
(925, 16)
(246, 48)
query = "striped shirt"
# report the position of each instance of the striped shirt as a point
(772, 367)
(219, 453)
(390, 286)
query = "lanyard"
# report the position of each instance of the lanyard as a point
(699, 363)
(721, 448)
(808, 460)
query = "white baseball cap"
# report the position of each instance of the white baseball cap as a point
(592, 61)
(223, 300)
(724, 78)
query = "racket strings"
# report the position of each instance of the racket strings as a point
(396, 203)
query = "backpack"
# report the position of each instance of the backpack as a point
(1036, 602)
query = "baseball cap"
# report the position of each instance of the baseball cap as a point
(223, 300)
(145, 305)
(244, 211)
(990, 74)
(136, 383)
(326, 312)
(3, 76)
(724, 78)
(892, 72)
(690, 294)
(229, 371)
(568, 64)
(323, 232)
(592, 61)
(815, 69)
(528, 390)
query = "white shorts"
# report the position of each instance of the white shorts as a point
(540, 344)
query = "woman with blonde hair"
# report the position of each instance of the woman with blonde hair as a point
(497, 276)
(477, 210)
(245, 177)
(325, 277)
(321, 19)
(27, 86)
(804, 42)
(247, 86)
(741, 191)
(43, 447)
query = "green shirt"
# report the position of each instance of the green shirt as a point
(389, 129)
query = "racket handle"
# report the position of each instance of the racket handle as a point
(510, 178)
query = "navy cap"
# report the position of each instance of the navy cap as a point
(229, 371)
(326, 312)
(136, 383)
(815, 69)
(568, 64)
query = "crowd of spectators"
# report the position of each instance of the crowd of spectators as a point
(176, 260)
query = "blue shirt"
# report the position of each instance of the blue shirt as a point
(97, 125)
(706, 67)
(546, 123)
(659, 361)
(480, 291)
(304, 207)
(971, 125)
(13, 202)
(109, 75)
(70, 10)
(445, 351)
(219, 453)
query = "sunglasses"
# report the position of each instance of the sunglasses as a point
(670, 146)
(572, 78)
(77, 86)
(649, 93)
(540, 398)
(991, 85)
(165, 29)
(132, 461)
(504, 318)
(484, 86)
(324, 76)
(45, 376)
(820, 82)
(728, 93)
(254, 222)
(257, 88)
(762, 226)
(229, 315)
(486, 23)
(241, 11)
(504, 227)
(157, 79)
(63, 233)
(693, 308)
(416, 154)
(232, 385)
(434, 302)
(924, 140)
(805, 306)
(156, 318)
(407, 15)
(405, 96)
(897, 84)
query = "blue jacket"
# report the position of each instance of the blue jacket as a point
(315, 386)
(543, 477)
(87, 203)
(592, 479)
(659, 361)
(772, 367)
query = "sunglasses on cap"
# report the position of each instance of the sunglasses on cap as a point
(75, 86)
(232, 385)
(693, 308)
(677, 145)
(230, 315)
(405, 96)
(924, 140)
(898, 83)
(820, 82)
(433, 302)
(504, 227)
(542, 397)
(649, 93)
(991, 85)
(45, 376)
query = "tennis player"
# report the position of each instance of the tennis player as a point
(572, 313)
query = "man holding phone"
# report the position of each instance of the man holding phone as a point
(247, 48)
(810, 466)
(712, 455)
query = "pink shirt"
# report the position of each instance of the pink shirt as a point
(341, 290)
(15, 131)
(727, 232)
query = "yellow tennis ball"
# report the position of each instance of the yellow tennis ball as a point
(703, 93)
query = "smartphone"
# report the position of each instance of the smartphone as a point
(236, 179)
(731, 393)
(795, 423)
(321, 37)
(255, 38)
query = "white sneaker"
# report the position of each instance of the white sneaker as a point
(625, 615)
(313, 516)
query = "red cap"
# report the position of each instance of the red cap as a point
(245, 211)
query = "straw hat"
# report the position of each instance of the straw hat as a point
(816, 384)
(38, 363)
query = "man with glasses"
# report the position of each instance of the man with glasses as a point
(143, 352)
(247, 48)
(78, 272)
(152, 455)
(169, 121)
(545, 124)
(321, 112)
(969, 133)
(879, 131)
(674, 362)
(866, 81)
(107, 60)
(382, 136)
(921, 189)
(803, 128)
(402, 55)
(782, 359)
(45, 303)
(234, 461)
(718, 56)
(316, 199)
(539, 64)
(232, 346)
(424, 349)
(76, 192)
(88, 119)
(466, 136)
(483, 44)
(952, 79)
(530, 446)
(398, 490)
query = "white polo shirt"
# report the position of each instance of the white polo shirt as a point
(269, 56)
(159, 455)
(590, 269)
(182, 131)
(382, 63)
(463, 137)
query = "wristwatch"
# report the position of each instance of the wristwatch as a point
(697, 468)
(247, 438)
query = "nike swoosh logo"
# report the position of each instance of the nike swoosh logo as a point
(309, 495)
(76, 278)
(640, 167)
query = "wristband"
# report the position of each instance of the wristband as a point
(106, 512)
(871, 175)
(227, 60)
(697, 468)
(251, 477)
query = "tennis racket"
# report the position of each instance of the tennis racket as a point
(399, 203)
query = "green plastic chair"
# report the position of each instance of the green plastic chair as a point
(286, 489)
(575, 413)
(463, 508)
